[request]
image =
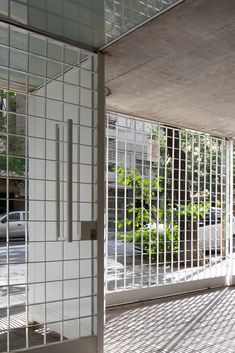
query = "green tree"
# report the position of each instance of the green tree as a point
(16, 144)
(148, 225)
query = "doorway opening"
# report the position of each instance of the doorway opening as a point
(170, 225)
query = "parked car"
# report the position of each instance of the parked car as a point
(16, 225)
(210, 230)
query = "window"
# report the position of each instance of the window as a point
(14, 217)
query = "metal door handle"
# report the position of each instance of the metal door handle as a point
(69, 179)
(57, 134)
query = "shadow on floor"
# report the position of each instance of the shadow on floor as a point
(193, 323)
(21, 337)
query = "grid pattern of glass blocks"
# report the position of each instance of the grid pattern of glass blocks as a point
(121, 16)
(48, 286)
(79, 21)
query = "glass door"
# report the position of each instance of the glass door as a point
(48, 193)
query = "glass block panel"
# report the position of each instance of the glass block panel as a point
(40, 270)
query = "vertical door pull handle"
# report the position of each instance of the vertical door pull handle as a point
(69, 124)
(57, 147)
(70, 180)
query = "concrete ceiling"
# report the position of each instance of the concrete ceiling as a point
(179, 68)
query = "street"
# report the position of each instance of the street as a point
(16, 252)
(14, 275)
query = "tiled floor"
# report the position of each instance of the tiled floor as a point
(202, 322)
(17, 339)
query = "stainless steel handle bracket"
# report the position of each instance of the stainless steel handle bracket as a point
(87, 230)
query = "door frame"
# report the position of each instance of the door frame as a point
(101, 204)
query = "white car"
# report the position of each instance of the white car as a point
(211, 234)
(16, 225)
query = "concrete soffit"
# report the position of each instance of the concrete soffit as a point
(178, 69)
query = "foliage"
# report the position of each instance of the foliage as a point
(151, 242)
(132, 177)
(190, 180)
(16, 144)
(204, 157)
(152, 228)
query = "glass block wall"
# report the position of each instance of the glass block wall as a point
(121, 16)
(74, 20)
(92, 23)
(48, 285)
